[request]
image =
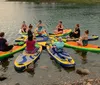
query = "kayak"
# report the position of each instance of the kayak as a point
(16, 48)
(21, 39)
(89, 47)
(90, 38)
(93, 37)
(65, 32)
(38, 38)
(41, 39)
(25, 59)
(63, 58)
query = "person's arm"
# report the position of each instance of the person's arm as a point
(37, 25)
(21, 26)
(36, 29)
(6, 43)
(57, 27)
(54, 45)
(62, 26)
(76, 32)
(22, 29)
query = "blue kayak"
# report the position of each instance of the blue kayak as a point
(63, 58)
(38, 38)
(25, 59)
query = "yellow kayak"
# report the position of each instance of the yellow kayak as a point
(25, 59)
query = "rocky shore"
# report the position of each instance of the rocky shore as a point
(84, 82)
(81, 71)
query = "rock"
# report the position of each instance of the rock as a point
(88, 83)
(30, 67)
(82, 71)
(90, 80)
(44, 67)
(79, 70)
(2, 76)
(85, 71)
(17, 84)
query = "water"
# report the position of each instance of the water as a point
(13, 13)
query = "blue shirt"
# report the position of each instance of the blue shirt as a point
(59, 45)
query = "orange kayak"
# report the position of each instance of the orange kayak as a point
(65, 32)
(15, 49)
(89, 47)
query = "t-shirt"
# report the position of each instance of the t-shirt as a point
(30, 45)
(2, 44)
(30, 33)
(78, 34)
(59, 45)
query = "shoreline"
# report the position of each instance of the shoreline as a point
(61, 1)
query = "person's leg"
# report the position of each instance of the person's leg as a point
(8, 48)
(80, 41)
(85, 42)
(71, 34)
(55, 31)
(36, 49)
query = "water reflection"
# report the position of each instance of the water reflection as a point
(56, 64)
(83, 55)
(69, 69)
(59, 67)
(31, 69)
(5, 64)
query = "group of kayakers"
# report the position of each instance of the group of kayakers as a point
(30, 42)
(83, 40)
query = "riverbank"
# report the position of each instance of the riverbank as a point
(63, 1)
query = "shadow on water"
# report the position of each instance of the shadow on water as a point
(56, 64)
(67, 69)
(83, 55)
(5, 64)
(31, 69)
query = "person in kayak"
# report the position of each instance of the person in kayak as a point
(59, 28)
(30, 33)
(30, 45)
(24, 27)
(58, 46)
(40, 26)
(76, 32)
(4, 44)
(83, 40)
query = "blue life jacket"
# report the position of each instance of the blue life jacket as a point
(39, 28)
(59, 46)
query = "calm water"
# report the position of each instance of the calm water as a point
(13, 13)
